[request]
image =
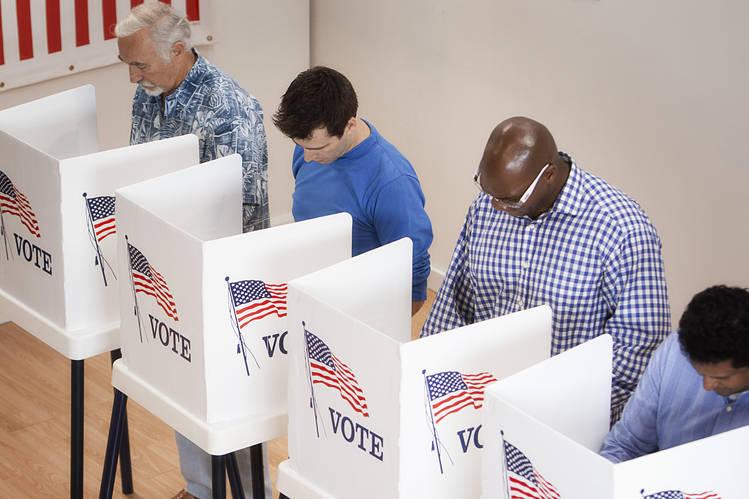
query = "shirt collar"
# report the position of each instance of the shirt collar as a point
(570, 198)
(189, 85)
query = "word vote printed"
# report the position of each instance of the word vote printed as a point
(354, 433)
(33, 254)
(169, 337)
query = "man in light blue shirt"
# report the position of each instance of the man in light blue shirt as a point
(696, 383)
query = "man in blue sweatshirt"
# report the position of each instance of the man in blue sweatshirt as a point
(342, 164)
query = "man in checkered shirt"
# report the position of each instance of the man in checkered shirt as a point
(544, 231)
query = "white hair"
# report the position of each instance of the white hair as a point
(166, 26)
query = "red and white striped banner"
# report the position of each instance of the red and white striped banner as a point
(43, 39)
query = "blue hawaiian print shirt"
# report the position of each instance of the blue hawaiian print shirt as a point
(594, 257)
(226, 120)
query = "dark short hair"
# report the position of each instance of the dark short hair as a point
(318, 97)
(715, 326)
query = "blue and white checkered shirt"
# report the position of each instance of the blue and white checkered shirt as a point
(594, 257)
(226, 120)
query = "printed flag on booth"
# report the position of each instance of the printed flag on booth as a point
(14, 202)
(524, 480)
(101, 211)
(451, 392)
(677, 494)
(254, 300)
(328, 370)
(148, 281)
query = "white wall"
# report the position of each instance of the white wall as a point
(649, 95)
(263, 45)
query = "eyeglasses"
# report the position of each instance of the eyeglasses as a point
(511, 205)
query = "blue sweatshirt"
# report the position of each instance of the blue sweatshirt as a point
(378, 187)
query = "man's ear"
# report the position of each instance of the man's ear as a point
(351, 123)
(178, 48)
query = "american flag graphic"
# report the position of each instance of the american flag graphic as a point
(677, 494)
(101, 211)
(35, 33)
(524, 481)
(254, 300)
(148, 281)
(13, 202)
(328, 370)
(451, 391)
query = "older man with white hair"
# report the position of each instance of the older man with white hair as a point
(180, 92)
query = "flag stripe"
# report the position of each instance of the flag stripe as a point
(193, 10)
(109, 17)
(135, 3)
(2, 45)
(25, 35)
(81, 23)
(54, 35)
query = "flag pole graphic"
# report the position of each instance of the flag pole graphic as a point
(5, 234)
(95, 240)
(504, 464)
(434, 426)
(241, 344)
(136, 310)
(313, 401)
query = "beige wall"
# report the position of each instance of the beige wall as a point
(263, 45)
(650, 95)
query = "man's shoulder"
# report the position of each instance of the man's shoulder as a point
(613, 207)
(224, 92)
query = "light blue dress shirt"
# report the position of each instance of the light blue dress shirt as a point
(670, 407)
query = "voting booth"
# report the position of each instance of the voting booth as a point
(58, 274)
(204, 307)
(373, 414)
(543, 428)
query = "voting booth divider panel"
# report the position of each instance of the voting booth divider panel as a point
(61, 125)
(413, 429)
(210, 341)
(553, 418)
(59, 274)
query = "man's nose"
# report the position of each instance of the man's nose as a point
(709, 384)
(135, 75)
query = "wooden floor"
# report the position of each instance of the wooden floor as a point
(35, 425)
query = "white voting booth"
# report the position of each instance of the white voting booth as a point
(373, 414)
(544, 426)
(58, 275)
(204, 307)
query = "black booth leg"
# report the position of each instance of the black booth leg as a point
(218, 477)
(126, 469)
(258, 474)
(235, 481)
(116, 430)
(76, 429)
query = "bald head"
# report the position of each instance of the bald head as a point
(519, 145)
(516, 152)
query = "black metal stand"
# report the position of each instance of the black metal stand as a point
(256, 469)
(126, 469)
(218, 477)
(76, 429)
(235, 481)
(116, 430)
